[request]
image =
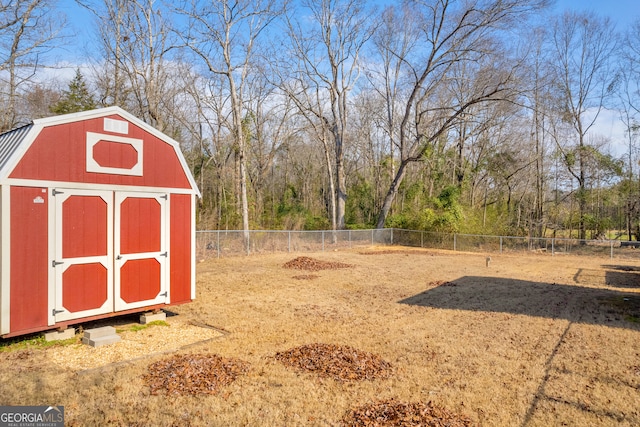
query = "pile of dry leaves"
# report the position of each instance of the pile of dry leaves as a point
(394, 413)
(311, 264)
(340, 362)
(441, 283)
(193, 374)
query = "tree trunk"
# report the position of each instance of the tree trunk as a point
(391, 194)
(341, 193)
(239, 135)
(332, 185)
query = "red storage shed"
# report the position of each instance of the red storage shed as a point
(97, 219)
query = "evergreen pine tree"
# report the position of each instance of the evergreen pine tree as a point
(76, 98)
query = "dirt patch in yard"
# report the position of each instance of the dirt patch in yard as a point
(397, 252)
(305, 277)
(137, 343)
(311, 264)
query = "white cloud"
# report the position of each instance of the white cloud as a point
(610, 127)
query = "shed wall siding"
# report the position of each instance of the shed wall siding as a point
(29, 258)
(180, 248)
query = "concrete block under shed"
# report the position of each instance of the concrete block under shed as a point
(152, 317)
(60, 335)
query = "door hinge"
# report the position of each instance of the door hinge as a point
(55, 192)
(54, 263)
(163, 295)
(164, 197)
(54, 312)
(164, 254)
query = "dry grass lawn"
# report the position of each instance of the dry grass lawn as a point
(525, 341)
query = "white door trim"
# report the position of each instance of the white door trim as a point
(61, 264)
(160, 256)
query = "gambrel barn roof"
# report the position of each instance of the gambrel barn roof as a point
(14, 144)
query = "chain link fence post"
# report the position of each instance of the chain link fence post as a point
(611, 243)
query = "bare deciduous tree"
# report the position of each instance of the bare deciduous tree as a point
(629, 94)
(137, 71)
(451, 33)
(326, 49)
(583, 45)
(108, 74)
(223, 35)
(28, 28)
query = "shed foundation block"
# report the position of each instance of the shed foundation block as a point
(60, 335)
(152, 317)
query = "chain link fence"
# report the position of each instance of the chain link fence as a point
(220, 243)
(226, 243)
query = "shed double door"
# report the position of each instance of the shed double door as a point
(110, 252)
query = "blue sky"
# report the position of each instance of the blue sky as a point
(622, 12)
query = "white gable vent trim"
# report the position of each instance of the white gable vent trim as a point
(93, 166)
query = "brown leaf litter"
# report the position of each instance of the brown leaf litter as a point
(312, 264)
(394, 413)
(193, 374)
(441, 283)
(340, 362)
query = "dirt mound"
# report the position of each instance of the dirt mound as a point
(393, 413)
(193, 374)
(340, 362)
(311, 264)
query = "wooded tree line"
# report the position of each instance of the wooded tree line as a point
(443, 115)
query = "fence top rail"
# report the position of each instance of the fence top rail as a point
(369, 230)
(486, 236)
(572, 239)
(271, 231)
(413, 231)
